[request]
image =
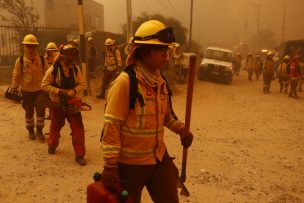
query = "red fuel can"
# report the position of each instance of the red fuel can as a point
(98, 193)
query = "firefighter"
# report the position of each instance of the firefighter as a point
(258, 66)
(133, 134)
(238, 63)
(91, 57)
(28, 72)
(294, 75)
(51, 53)
(268, 72)
(250, 66)
(301, 79)
(64, 81)
(283, 74)
(113, 65)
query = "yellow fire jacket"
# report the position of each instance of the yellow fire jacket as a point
(30, 76)
(282, 70)
(113, 59)
(268, 66)
(136, 136)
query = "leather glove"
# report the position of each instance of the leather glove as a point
(71, 92)
(62, 93)
(186, 138)
(110, 178)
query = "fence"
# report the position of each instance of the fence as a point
(11, 47)
(12, 36)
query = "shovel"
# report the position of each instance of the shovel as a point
(182, 179)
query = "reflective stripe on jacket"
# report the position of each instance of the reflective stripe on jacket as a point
(136, 136)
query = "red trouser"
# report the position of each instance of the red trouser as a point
(161, 180)
(58, 116)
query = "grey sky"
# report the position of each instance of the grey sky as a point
(214, 20)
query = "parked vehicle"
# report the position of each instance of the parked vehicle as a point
(216, 64)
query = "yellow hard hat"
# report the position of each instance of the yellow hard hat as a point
(286, 57)
(67, 47)
(30, 39)
(90, 39)
(269, 53)
(154, 32)
(51, 46)
(109, 42)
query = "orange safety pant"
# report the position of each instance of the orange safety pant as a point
(58, 116)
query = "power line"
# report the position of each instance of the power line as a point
(176, 11)
(288, 20)
(163, 5)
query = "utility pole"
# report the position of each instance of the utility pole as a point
(283, 24)
(190, 29)
(129, 20)
(258, 6)
(83, 49)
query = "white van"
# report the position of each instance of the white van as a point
(216, 63)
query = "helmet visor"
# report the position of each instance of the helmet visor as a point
(166, 35)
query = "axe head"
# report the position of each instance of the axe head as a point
(184, 191)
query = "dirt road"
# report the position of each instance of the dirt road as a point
(248, 147)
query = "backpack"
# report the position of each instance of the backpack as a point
(22, 62)
(134, 94)
(56, 69)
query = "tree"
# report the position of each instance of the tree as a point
(20, 14)
(265, 39)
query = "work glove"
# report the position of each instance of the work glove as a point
(186, 138)
(62, 93)
(110, 178)
(71, 92)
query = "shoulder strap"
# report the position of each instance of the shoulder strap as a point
(42, 61)
(55, 72)
(134, 94)
(169, 94)
(21, 63)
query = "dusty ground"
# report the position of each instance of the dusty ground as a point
(248, 147)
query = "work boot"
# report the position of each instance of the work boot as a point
(51, 150)
(81, 160)
(39, 134)
(31, 133)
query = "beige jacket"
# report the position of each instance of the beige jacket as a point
(30, 76)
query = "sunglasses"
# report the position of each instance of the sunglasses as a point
(166, 35)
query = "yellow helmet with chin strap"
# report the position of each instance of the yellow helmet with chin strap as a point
(30, 39)
(154, 32)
